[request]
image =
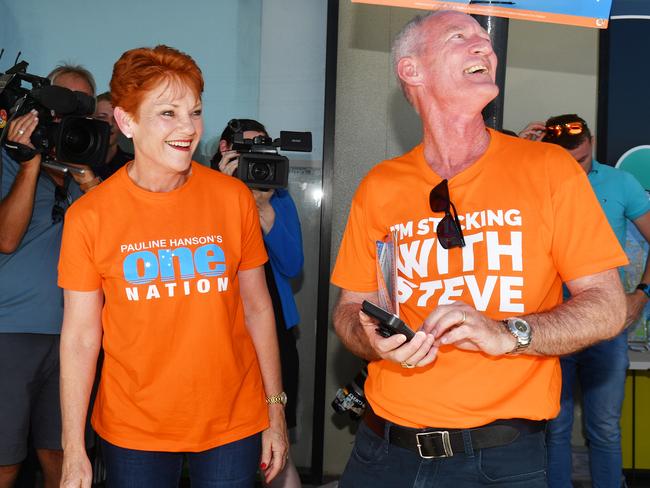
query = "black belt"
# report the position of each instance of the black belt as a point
(432, 442)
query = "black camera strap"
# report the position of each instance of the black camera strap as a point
(20, 152)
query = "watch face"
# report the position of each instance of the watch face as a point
(521, 326)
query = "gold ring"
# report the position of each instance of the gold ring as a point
(406, 365)
(462, 321)
(21, 131)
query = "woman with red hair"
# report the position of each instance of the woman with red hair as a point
(164, 266)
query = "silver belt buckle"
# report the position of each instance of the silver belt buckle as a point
(446, 444)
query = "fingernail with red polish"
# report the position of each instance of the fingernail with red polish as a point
(263, 465)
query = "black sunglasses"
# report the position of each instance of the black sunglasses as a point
(448, 230)
(61, 201)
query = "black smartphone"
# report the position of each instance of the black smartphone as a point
(389, 324)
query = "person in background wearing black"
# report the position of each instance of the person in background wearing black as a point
(115, 157)
(283, 242)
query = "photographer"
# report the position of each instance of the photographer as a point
(283, 242)
(33, 201)
(116, 157)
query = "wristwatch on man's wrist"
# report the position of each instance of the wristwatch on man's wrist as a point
(520, 329)
(279, 398)
(644, 288)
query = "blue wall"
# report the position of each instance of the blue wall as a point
(223, 36)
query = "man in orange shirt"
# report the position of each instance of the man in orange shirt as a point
(486, 227)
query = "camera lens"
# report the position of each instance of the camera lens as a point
(78, 139)
(261, 171)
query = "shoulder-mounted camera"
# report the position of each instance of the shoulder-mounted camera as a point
(65, 133)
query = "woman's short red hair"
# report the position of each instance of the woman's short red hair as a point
(140, 70)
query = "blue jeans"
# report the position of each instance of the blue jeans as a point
(600, 369)
(376, 463)
(231, 465)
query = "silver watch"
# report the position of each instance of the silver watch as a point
(519, 328)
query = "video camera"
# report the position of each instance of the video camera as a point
(65, 133)
(260, 165)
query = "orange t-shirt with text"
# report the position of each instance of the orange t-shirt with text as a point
(530, 221)
(180, 371)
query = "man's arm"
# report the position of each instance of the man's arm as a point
(596, 311)
(80, 342)
(637, 299)
(357, 332)
(16, 208)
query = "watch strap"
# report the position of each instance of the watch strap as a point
(644, 288)
(278, 398)
(521, 345)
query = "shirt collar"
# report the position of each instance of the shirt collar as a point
(595, 166)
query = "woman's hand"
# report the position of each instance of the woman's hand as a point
(229, 162)
(275, 444)
(77, 471)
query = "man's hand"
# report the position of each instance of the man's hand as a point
(77, 471)
(636, 302)
(85, 180)
(229, 162)
(466, 328)
(419, 351)
(534, 131)
(275, 444)
(21, 129)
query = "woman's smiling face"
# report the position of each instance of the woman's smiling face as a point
(168, 126)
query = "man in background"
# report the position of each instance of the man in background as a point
(600, 369)
(33, 201)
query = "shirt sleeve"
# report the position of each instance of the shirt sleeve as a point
(253, 253)
(583, 241)
(355, 267)
(77, 267)
(637, 202)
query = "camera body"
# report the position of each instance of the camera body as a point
(64, 132)
(351, 397)
(260, 166)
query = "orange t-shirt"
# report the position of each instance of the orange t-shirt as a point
(180, 371)
(530, 221)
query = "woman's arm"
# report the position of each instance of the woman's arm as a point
(260, 322)
(80, 342)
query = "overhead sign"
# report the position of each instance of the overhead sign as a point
(584, 13)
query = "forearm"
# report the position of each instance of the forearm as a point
(78, 365)
(17, 207)
(588, 317)
(261, 327)
(349, 329)
(81, 337)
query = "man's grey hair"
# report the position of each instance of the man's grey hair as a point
(73, 69)
(407, 42)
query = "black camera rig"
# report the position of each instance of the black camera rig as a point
(260, 165)
(65, 133)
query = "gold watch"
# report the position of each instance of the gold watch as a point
(279, 398)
